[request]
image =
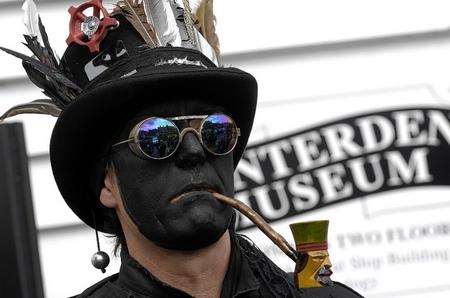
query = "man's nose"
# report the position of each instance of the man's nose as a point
(190, 152)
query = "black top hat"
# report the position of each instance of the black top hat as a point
(124, 76)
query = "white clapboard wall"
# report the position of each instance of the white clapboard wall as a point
(330, 57)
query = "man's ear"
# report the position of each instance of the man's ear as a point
(109, 193)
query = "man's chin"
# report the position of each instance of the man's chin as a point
(188, 241)
(197, 228)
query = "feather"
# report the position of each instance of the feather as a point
(183, 17)
(48, 51)
(30, 19)
(205, 21)
(204, 47)
(32, 43)
(40, 106)
(44, 69)
(135, 14)
(38, 51)
(188, 21)
(60, 94)
(160, 14)
(187, 40)
(36, 38)
(110, 5)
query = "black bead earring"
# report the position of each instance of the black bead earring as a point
(100, 259)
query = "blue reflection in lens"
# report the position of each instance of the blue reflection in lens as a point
(158, 137)
(219, 133)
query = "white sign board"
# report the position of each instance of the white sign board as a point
(377, 165)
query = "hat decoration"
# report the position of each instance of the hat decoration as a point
(89, 30)
(160, 23)
(179, 23)
(43, 69)
(135, 14)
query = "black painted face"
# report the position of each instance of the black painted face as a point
(148, 187)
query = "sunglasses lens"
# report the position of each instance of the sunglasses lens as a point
(158, 138)
(219, 134)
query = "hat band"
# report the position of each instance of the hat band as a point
(305, 247)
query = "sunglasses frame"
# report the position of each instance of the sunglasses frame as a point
(133, 141)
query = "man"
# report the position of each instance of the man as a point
(146, 134)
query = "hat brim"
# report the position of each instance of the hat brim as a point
(86, 126)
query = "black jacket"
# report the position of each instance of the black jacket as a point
(250, 274)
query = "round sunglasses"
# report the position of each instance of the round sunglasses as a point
(159, 138)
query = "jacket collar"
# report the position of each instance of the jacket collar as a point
(239, 278)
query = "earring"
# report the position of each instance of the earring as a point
(100, 259)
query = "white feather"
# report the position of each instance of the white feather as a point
(109, 5)
(204, 47)
(195, 4)
(31, 19)
(160, 14)
(179, 3)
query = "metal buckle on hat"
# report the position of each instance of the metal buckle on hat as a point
(181, 61)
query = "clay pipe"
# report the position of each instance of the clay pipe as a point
(260, 223)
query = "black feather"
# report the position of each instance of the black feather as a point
(58, 92)
(38, 51)
(60, 97)
(44, 69)
(35, 47)
(40, 106)
(47, 48)
(35, 76)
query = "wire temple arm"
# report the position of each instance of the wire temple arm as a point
(122, 142)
